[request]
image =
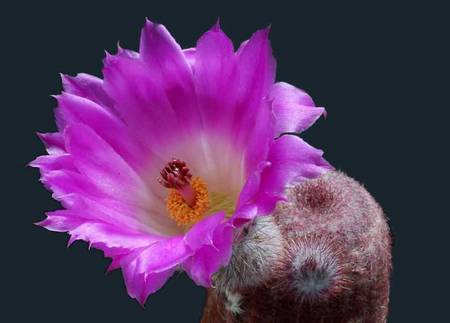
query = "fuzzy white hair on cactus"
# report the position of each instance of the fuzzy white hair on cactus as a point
(257, 249)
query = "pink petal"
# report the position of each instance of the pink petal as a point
(120, 214)
(54, 142)
(119, 244)
(60, 222)
(66, 182)
(76, 109)
(48, 163)
(189, 55)
(102, 166)
(202, 233)
(142, 102)
(89, 87)
(294, 110)
(139, 286)
(103, 236)
(209, 259)
(216, 79)
(167, 63)
(245, 214)
(162, 256)
(262, 136)
(153, 282)
(256, 75)
(147, 269)
(251, 186)
(254, 121)
(291, 160)
(212, 241)
(99, 234)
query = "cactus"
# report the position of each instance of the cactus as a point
(324, 255)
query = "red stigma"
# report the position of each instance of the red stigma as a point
(175, 174)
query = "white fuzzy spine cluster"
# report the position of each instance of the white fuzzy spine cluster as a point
(315, 268)
(255, 253)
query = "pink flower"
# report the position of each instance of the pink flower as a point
(157, 163)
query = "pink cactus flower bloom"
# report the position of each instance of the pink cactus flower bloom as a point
(160, 161)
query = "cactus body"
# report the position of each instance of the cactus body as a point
(323, 256)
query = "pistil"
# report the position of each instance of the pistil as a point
(176, 175)
(188, 198)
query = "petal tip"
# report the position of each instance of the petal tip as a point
(64, 77)
(34, 163)
(264, 33)
(216, 27)
(40, 223)
(119, 48)
(150, 25)
(72, 239)
(108, 56)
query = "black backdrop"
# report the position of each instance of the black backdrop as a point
(378, 69)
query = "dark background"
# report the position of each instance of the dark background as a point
(380, 70)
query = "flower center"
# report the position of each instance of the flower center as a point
(189, 200)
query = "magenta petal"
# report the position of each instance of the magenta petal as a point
(209, 259)
(141, 101)
(257, 74)
(294, 110)
(245, 214)
(60, 221)
(223, 241)
(202, 233)
(289, 94)
(261, 137)
(291, 160)
(257, 67)
(163, 255)
(189, 54)
(63, 183)
(140, 285)
(110, 211)
(213, 240)
(147, 269)
(54, 142)
(76, 109)
(118, 244)
(166, 62)
(99, 234)
(102, 166)
(50, 163)
(89, 87)
(216, 78)
(254, 120)
(153, 282)
(104, 236)
(251, 186)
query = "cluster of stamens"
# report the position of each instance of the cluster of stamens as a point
(188, 200)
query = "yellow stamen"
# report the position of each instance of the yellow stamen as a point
(184, 215)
